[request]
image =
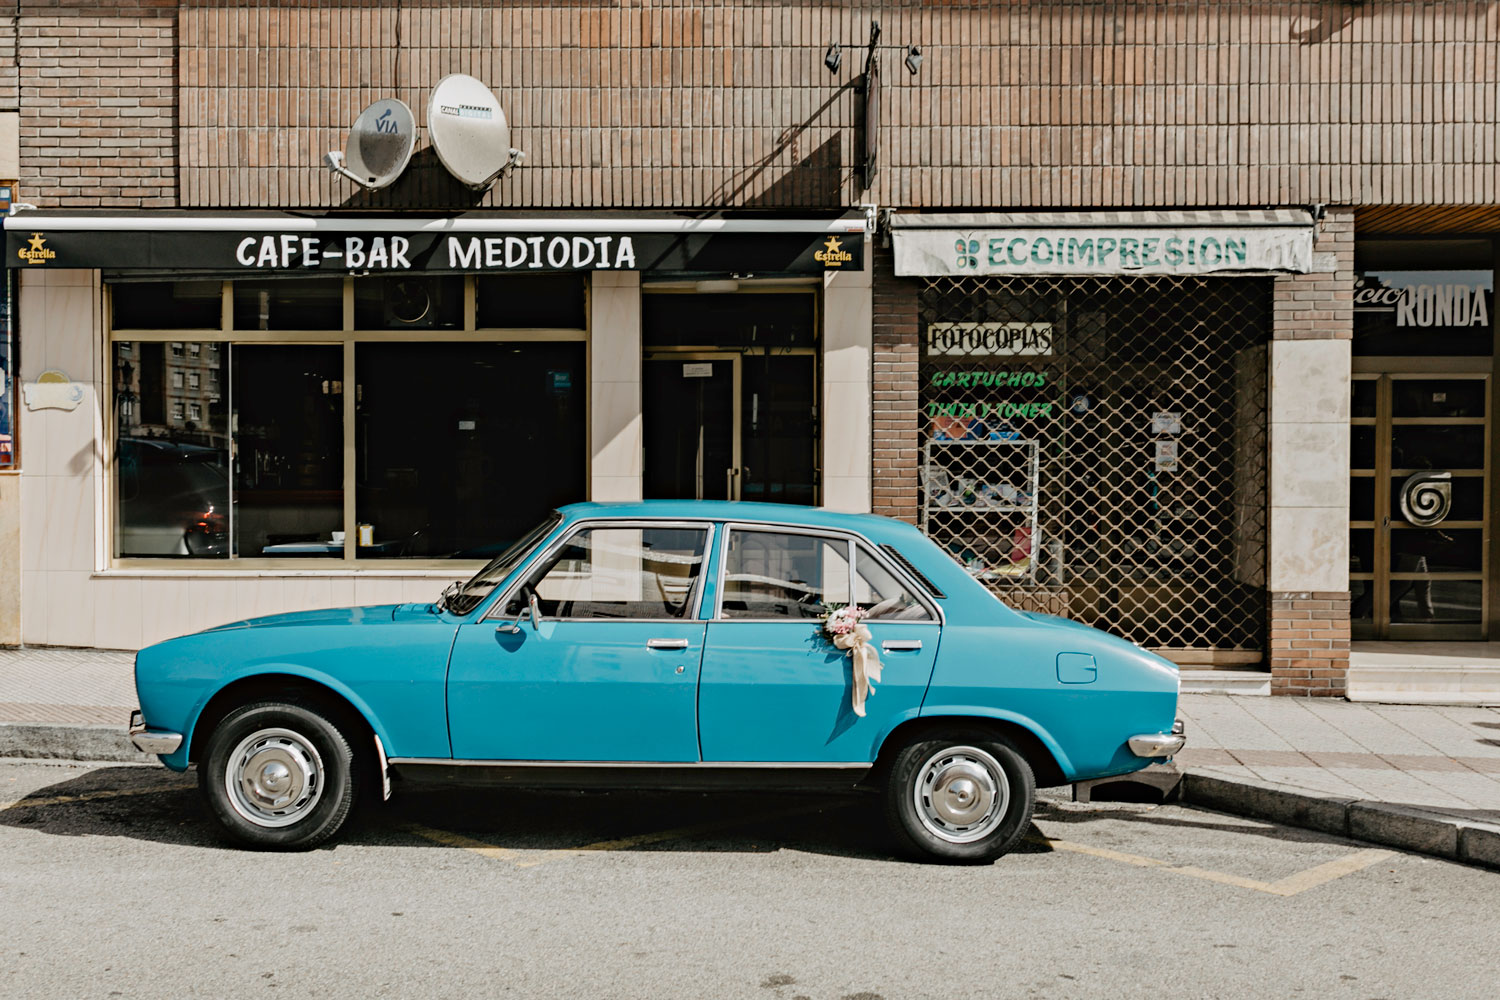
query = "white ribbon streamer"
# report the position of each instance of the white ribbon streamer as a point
(865, 666)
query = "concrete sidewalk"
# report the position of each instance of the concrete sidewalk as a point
(1419, 777)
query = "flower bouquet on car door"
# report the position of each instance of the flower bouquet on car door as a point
(845, 626)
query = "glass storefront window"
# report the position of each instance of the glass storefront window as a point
(288, 449)
(544, 301)
(171, 472)
(167, 305)
(305, 304)
(409, 302)
(463, 446)
(228, 450)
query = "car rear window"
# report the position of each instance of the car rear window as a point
(916, 574)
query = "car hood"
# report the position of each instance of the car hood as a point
(374, 614)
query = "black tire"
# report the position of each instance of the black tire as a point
(955, 827)
(294, 778)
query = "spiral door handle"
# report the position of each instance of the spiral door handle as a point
(1427, 498)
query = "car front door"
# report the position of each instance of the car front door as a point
(774, 687)
(610, 671)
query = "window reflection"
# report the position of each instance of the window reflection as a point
(171, 453)
(288, 466)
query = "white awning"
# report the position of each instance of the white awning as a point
(1216, 241)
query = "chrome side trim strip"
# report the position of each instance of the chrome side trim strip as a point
(659, 764)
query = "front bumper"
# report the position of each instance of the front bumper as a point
(152, 740)
(1158, 744)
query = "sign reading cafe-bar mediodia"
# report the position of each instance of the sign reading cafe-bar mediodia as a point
(1178, 243)
(285, 243)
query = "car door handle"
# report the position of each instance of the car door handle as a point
(666, 644)
(901, 645)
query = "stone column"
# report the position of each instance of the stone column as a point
(1308, 578)
(616, 459)
(848, 336)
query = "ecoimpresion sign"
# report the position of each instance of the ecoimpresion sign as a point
(1113, 250)
(291, 244)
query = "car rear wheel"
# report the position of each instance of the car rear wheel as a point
(966, 798)
(278, 776)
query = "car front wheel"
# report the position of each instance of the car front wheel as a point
(964, 799)
(278, 776)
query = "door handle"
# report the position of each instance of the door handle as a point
(666, 644)
(901, 645)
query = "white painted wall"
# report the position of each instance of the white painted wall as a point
(847, 414)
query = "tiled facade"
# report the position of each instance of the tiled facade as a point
(1380, 117)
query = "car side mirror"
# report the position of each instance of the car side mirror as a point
(533, 611)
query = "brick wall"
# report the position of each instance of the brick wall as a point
(1309, 643)
(1320, 305)
(98, 111)
(895, 391)
(665, 103)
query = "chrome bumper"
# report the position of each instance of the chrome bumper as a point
(152, 740)
(1158, 744)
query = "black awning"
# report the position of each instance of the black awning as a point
(270, 243)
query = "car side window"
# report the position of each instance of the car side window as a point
(624, 572)
(773, 574)
(881, 595)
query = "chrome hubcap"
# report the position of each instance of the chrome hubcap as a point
(961, 794)
(274, 777)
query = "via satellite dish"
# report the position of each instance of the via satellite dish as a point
(380, 144)
(469, 132)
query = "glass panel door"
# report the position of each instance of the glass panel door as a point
(1419, 506)
(691, 436)
(726, 425)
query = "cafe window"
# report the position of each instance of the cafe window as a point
(331, 441)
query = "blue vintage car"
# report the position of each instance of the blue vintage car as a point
(665, 645)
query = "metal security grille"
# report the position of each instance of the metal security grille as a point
(1096, 448)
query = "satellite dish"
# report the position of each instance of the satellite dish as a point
(380, 144)
(469, 131)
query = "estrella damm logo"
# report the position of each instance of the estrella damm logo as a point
(37, 253)
(833, 255)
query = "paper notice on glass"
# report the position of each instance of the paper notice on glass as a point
(703, 369)
(1166, 456)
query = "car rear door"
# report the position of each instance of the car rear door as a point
(774, 688)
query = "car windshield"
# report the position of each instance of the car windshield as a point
(463, 598)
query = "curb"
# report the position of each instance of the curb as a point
(69, 742)
(1404, 827)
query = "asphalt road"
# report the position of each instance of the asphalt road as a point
(112, 883)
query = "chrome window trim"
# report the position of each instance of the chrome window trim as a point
(495, 612)
(934, 610)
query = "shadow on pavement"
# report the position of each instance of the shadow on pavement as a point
(157, 805)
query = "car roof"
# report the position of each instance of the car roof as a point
(739, 510)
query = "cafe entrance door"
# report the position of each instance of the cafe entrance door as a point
(1419, 506)
(732, 425)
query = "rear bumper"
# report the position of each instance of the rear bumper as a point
(155, 741)
(1158, 744)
